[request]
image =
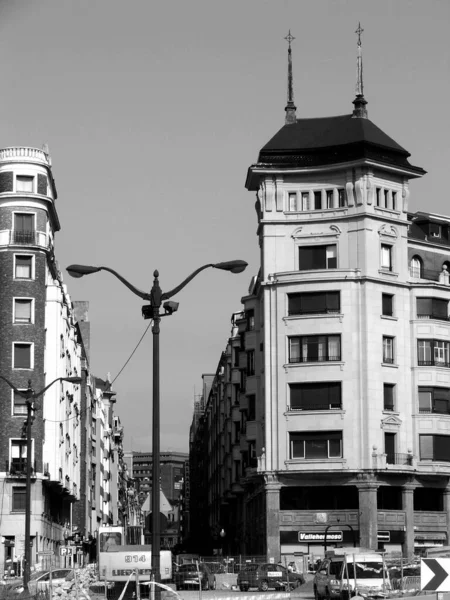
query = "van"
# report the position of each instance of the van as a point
(344, 573)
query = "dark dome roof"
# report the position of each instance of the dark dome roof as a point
(328, 140)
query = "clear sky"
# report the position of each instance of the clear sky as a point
(153, 111)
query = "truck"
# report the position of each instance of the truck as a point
(118, 560)
(346, 572)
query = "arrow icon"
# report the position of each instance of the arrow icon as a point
(439, 574)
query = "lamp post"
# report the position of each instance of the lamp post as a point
(152, 311)
(30, 396)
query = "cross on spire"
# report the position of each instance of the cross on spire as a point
(359, 102)
(359, 32)
(289, 38)
(290, 106)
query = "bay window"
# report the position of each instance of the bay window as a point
(314, 348)
(314, 303)
(433, 353)
(316, 444)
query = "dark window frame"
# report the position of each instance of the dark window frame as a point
(439, 400)
(314, 303)
(434, 447)
(433, 346)
(315, 445)
(22, 257)
(315, 395)
(389, 390)
(18, 499)
(387, 305)
(388, 360)
(315, 257)
(432, 308)
(18, 357)
(326, 357)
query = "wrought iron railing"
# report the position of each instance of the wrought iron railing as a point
(24, 237)
(313, 406)
(433, 363)
(305, 359)
(433, 316)
(19, 467)
(315, 311)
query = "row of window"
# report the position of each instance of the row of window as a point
(327, 395)
(316, 303)
(308, 200)
(316, 200)
(23, 183)
(323, 445)
(325, 257)
(327, 348)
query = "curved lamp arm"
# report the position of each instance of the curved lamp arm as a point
(73, 380)
(12, 386)
(167, 295)
(234, 266)
(80, 270)
(31, 394)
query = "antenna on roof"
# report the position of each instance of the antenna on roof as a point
(290, 109)
(359, 102)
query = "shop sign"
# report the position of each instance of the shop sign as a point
(317, 536)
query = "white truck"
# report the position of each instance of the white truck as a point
(347, 572)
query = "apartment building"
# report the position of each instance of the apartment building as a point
(40, 343)
(343, 348)
(44, 337)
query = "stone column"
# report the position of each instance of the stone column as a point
(447, 512)
(408, 507)
(368, 515)
(272, 488)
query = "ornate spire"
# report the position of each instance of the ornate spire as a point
(290, 109)
(359, 102)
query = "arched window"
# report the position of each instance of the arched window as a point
(416, 267)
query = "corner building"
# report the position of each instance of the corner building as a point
(39, 343)
(351, 310)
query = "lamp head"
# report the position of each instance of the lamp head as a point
(235, 266)
(80, 270)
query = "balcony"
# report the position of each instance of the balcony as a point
(427, 274)
(396, 461)
(24, 154)
(18, 468)
(434, 317)
(314, 359)
(12, 237)
(396, 458)
(433, 363)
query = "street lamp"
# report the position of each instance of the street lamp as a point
(30, 395)
(152, 311)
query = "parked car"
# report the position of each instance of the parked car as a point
(10, 587)
(188, 576)
(40, 580)
(267, 575)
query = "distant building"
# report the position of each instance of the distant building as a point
(172, 468)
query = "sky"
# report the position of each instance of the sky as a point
(154, 110)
